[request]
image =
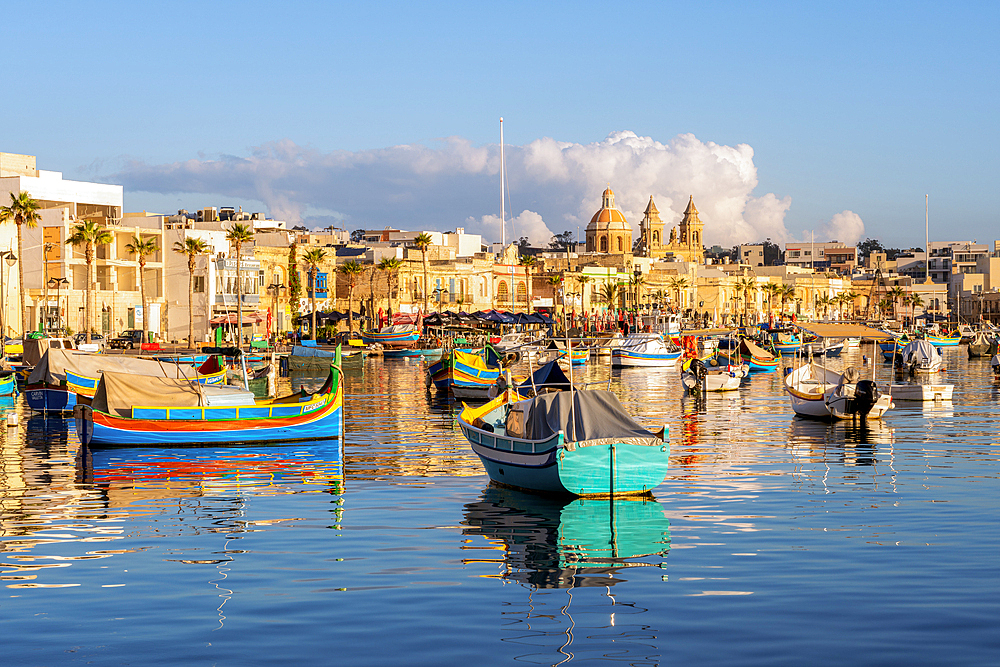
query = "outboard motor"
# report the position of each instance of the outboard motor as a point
(866, 394)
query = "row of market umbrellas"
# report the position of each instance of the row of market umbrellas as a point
(499, 316)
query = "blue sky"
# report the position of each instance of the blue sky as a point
(857, 108)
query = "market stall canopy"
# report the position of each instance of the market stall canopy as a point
(823, 330)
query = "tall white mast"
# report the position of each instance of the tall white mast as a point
(927, 243)
(503, 209)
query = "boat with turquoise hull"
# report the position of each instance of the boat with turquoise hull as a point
(578, 442)
(130, 410)
(946, 340)
(8, 383)
(392, 336)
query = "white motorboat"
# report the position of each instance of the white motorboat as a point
(644, 349)
(701, 375)
(920, 356)
(818, 392)
(914, 391)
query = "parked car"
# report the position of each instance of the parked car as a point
(94, 338)
(129, 339)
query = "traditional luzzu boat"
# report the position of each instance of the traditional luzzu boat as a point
(644, 349)
(786, 344)
(945, 340)
(699, 375)
(397, 335)
(8, 383)
(749, 353)
(821, 393)
(134, 410)
(64, 374)
(579, 442)
(465, 374)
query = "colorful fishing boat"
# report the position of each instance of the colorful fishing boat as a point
(403, 352)
(64, 374)
(8, 383)
(786, 343)
(579, 442)
(135, 410)
(747, 352)
(644, 349)
(465, 374)
(396, 335)
(945, 340)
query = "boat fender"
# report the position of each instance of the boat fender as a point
(482, 425)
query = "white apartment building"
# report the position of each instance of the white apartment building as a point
(63, 205)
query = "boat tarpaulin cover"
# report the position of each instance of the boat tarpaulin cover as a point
(920, 349)
(55, 362)
(597, 415)
(756, 350)
(824, 330)
(117, 393)
(302, 351)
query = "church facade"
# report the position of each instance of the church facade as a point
(685, 242)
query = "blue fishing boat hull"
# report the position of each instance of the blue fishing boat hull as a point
(45, 398)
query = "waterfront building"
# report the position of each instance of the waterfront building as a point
(827, 256)
(62, 205)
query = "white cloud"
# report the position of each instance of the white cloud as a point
(846, 227)
(557, 185)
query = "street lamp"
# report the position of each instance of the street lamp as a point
(58, 283)
(273, 288)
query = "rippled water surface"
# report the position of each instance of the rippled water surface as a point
(772, 540)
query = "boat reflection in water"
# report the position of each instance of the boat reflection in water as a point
(846, 442)
(581, 546)
(553, 542)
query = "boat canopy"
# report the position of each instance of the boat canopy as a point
(824, 330)
(117, 393)
(596, 415)
(52, 367)
(755, 350)
(33, 349)
(548, 376)
(303, 351)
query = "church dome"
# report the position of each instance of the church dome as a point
(608, 217)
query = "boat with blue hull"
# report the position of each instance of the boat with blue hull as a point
(133, 410)
(465, 374)
(645, 350)
(64, 374)
(8, 383)
(578, 442)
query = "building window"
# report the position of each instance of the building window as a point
(199, 284)
(503, 293)
(620, 246)
(604, 244)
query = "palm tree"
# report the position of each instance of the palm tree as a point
(142, 248)
(391, 266)
(422, 242)
(610, 294)
(677, 284)
(745, 286)
(23, 211)
(192, 247)
(824, 302)
(312, 258)
(896, 294)
(89, 235)
(554, 281)
(528, 262)
(771, 290)
(915, 302)
(583, 280)
(785, 293)
(239, 234)
(351, 270)
(660, 296)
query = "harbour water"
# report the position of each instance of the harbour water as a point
(773, 540)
